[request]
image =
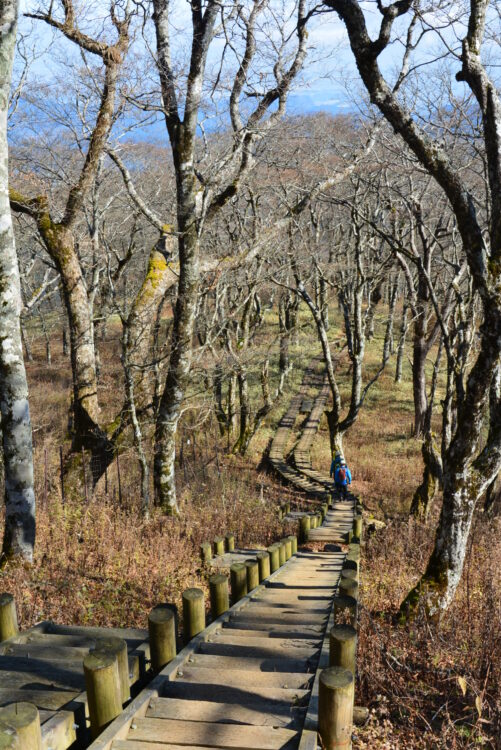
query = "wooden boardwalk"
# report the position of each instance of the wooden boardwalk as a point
(44, 666)
(247, 680)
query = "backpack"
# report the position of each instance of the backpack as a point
(342, 474)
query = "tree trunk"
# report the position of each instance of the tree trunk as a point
(419, 377)
(401, 345)
(169, 409)
(19, 532)
(425, 493)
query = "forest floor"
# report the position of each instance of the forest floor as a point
(99, 562)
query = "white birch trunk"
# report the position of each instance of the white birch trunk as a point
(19, 533)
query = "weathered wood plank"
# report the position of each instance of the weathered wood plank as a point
(243, 678)
(225, 713)
(208, 734)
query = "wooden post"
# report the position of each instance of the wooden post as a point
(193, 613)
(219, 596)
(304, 527)
(281, 552)
(206, 552)
(357, 526)
(117, 647)
(102, 684)
(263, 560)
(61, 470)
(335, 708)
(343, 647)
(252, 567)
(348, 587)
(313, 521)
(351, 565)
(162, 630)
(230, 542)
(325, 508)
(349, 573)
(23, 720)
(8, 617)
(238, 574)
(345, 610)
(320, 519)
(287, 507)
(274, 557)
(288, 548)
(293, 540)
(219, 545)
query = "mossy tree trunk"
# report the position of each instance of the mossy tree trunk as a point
(19, 531)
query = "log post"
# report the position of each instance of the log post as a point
(206, 552)
(351, 565)
(193, 613)
(293, 540)
(238, 574)
(287, 507)
(8, 617)
(313, 520)
(252, 567)
(162, 630)
(343, 647)
(263, 560)
(288, 548)
(219, 545)
(304, 527)
(230, 542)
(345, 610)
(219, 595)
(349, 573)
(102, 684)
(357, 526)
(281, 552)
(325, 508)
(23, 721)
(335, 708)
(274, 557)
(348, 587)
(117, 647)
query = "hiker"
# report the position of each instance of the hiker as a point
(342, 478)
(336, 462)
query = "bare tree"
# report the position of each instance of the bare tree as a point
(19, 532)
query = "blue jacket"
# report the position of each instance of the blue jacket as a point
(339, 481)
(334, 465)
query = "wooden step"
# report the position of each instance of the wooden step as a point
(208, 734)
(254, 664)
(268, 649)
(243, 678)
(257, 695)
(225, 713)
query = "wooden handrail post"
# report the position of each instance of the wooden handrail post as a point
(8, 617)
(274, 557)
(348, 587)
(20, 723)
(238, 574)
(102, 684)
(293, 540)
(263, 559)
(281, 552)
(117, 647)
(193, 613)
(162, 630)
(335, 708)
(288, 548)
(230, 542)
(252, 567)
(219, 595)
(304, 527)
(343, 647)
(357, 526)
(219, 545)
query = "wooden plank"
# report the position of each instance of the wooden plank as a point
(46, 699)
(268, 650)
(226, 713)
(287, 644)
(208, 734)
(245, 678)
(133, 636)
(254, 664)
(255, 628)
(58, 733)
(226, 694)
